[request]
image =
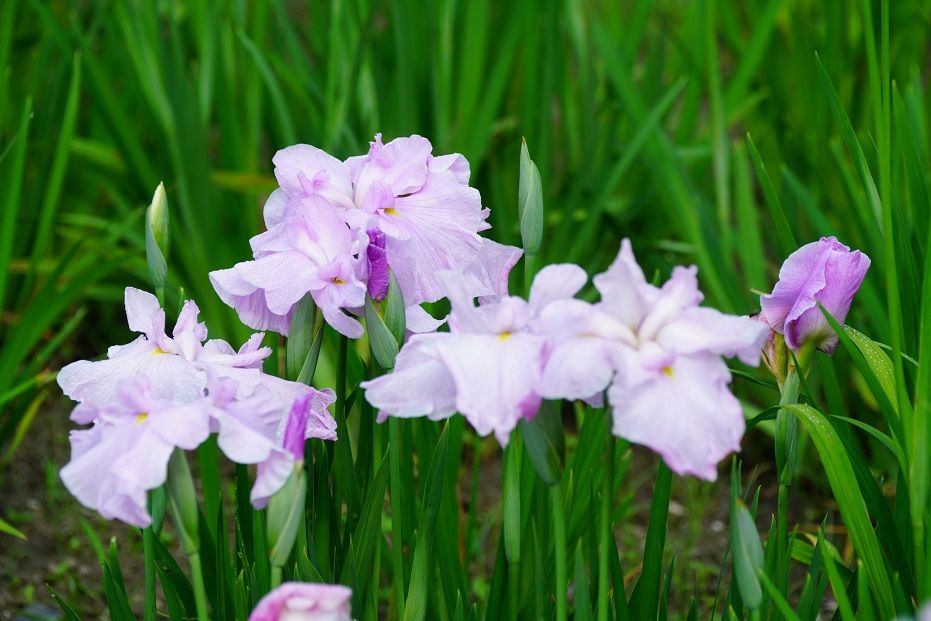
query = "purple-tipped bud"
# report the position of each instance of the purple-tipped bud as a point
(378, 265)
(295, 432)
(824, 272)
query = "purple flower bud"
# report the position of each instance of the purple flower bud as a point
(378, 265)
(824, 272)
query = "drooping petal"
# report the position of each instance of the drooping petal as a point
(496, 379)
(270, 476)
(685, 412)
(419, 385)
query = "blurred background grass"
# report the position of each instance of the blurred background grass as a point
(639, 115)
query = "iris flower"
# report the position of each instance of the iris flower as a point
(659, 355)
(824, 272)
(487, 367)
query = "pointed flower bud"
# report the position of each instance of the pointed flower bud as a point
(530, 203)
(182, 498)
(157, 237)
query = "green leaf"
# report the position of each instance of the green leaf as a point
(302, 333)
(383, 343)
(748, 554)
(843, 483)
(645, 598)
(877, 359)
(9, 529)
(66, 609)
(418, 593)
(541, 446)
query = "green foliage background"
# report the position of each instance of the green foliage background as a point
(720, 132)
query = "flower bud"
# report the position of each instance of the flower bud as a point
(182, 499)
(157, 238)
(825, 273)
(530, 203)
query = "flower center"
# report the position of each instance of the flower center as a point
(504, 336)
(140, 417)
(667, 371)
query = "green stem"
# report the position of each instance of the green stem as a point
(148, 550)
(200, 594)
(607, 544)
(397, 560)
(276, 576)
(559, 535)
(529, 265)
(786, 458)
(341, 354)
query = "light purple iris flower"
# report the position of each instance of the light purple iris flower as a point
(125, 453)
(310, 250)
(424, 206)
(159, 393)
(303, 601)
(487, 367)
(176, 367)
(824, 272)
(405, 209)
(658, 353)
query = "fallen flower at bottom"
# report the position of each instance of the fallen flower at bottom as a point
(487, 367)
(305, 601)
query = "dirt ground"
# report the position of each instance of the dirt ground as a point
(58, 553)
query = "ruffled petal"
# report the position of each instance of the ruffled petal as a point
(685, 412)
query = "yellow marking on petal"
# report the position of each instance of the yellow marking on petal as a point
(667, 371)
(391, 211)
(141, 417)
(158, 351)
(336, 280)
(504, 336)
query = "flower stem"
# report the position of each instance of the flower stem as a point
(276, 576)
(786, 440)
(559, 534)
(607, 544)
(529, 266)
(397, 560)
(148, 545)
(200, 594)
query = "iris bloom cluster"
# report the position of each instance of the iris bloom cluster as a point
(335, 229)
(341, 232)
(160, 393)
(653, 351)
